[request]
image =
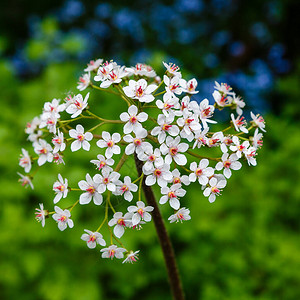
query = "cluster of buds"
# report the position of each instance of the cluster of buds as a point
(166, 131)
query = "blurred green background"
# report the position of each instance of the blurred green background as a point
(245, 245)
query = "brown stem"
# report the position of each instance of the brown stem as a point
(165, 243)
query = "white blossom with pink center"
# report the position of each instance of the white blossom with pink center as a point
(172, 69)
(126, 188)
(169, 105)
(60, 187)
(250, 154)
(93, 65)
(133, 119)
(183, 214)
(239, 123)
(53, 107)
(25, 161)
(221, 99)
(257, 139)
(102, 162)
(113, 251)
(165, 126)
(44, 150)
(189, 86)
(140, 90)
(140, 212)
(228, 163)
(114, 76)
(173, 85)
(84, 81)
(49, 120)
(215, 140)
(58, 142)
(225, 143)
(206, 112)
(159, 173)
(104, 70)
(258, 121)
(107, 180)
(141, 70)
(237, 103)
(238, 147)
(93, 238)
(110, 143)
(78, 105)
(131, 257)
(62, 217)
(223, 88)
(200, 138)
(150, 157)
(120, 222)
(190, 124)
(201, 171)
(81, 139)
(172, 194)
(25, 180)
(58, 158)
(172, 149)
(90, 186)
(178, 178)
(41, 214)
(136, 144)
(214, 189)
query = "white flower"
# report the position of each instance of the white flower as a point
(107, 180)
(114, 76)
(25, 161)
(159, 173)
(90, 186)
(25, 180)
(164, 126)
(214, 189)
(140, 91)
(141, 70)
(201, 138)
(44, 150)
(215, 139)
(33, 125)
(93, 238)
(104, 70)
(131, 257)
(53, 107)
(49, 120)
(190, 86)
(172, 69)
(110, 142)
(257, 139)
(237, 147)
(58, 158)
(136, 144)
(41, 214)
(172, 149)
(171, 194)
(221, 99)
(120, 222)
(228, 162)
(206, 111)
(226, 141)
(93, 65)
(172, 85)
(177, 178)
(183, 214)
(113, 251)
(169, 103)
(126, 188)
(60, 187)
(150, 157)
(81, 139)
(201, 172)
(58, 142)
(239, 123)
(223, 88)
(84, 81)
(250, 154)
(140, 212)
(62, 217)
(78, 105)
(133, 119)
(258, 121)
(102, 162)
(189, 123)
(237, 103)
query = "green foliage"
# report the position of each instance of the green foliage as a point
(244, 246)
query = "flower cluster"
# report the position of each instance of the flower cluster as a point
(168, 132)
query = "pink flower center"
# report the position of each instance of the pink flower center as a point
(133, 119)
(152, 157)
(180, 216)
(61, 188)
(241, 147)
(80, 137)
(199, 172)
(43, 151)
(176, 180)
(240, 121)
(92, 238)
(171, 195)
(215, 190)
(81, 80)
(78, 104)
(102, 164)
(137, 142)
(227, 164)
(141, 212)
(124, 188)
(157, 172)
(173, 87)
(173, 151)
(139, 92)
(228, 141)
(112, 253)
(166, 127)
(62, 219)
(167, 106)
(191, 87)
(113, 76)
(121, 222)
(110, 144)
(213, 141)
(189, 121)
(106, 180)
(206, 112)
(91, 190)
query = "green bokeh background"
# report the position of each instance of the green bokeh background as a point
(243, 246)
